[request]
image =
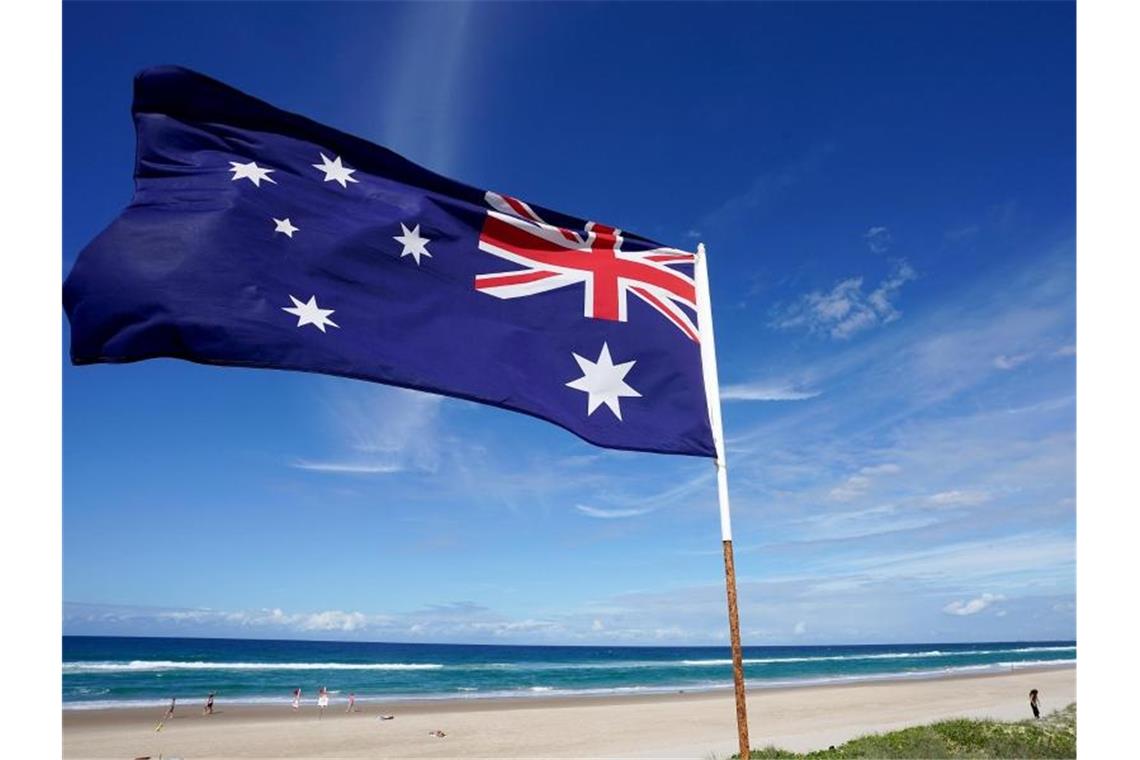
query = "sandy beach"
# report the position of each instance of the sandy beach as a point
(675, 725)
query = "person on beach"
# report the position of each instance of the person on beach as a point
(168, 716)
(322, 701)
(351, 702)
(1033, 705)
(209, 708)
(296, 699)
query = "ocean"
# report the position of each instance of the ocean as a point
(106, 671)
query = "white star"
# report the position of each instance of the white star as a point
(604, 381)
(414, 245)
(335, 171)
(286, 226)
(310, 314)
(252, 172)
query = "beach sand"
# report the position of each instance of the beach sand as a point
(697, 726)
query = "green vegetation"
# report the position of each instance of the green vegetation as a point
(1054, 736)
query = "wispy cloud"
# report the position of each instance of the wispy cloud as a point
(425, 84)
(859, 483)
(962, 233)
(765, 188)
(766, 391)
(972, 606)
(347, 468)
(943, 353)
(611, 514)
(846, 309)
(1010, 362)
(332, 621)
(959, 498)
(631, 499)
(881, 520)
(878, 239)
(379, 430)
(977, 560)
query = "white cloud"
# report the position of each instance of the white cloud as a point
(1044, 406)
(611, 514)
(1010, 362)
(832, 525)
(428, 85)
(847, 309)
(765, 391)
(333, 620)
(973, 606)
(328, 620)
(856, 485)
(887, 468)
(959, 498)
(878, 239)
(384, 429)
(800, 628)
(977, 560)
(347, 467)
(861, 482)
(1069, 350)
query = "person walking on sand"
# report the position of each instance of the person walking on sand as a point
(168, 716)
(296, 699)
(1033, 705)
(322, 701)
(351, 702)
(209, 708)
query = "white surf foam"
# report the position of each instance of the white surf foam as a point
(148, 665)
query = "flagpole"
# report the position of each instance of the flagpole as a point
(712, 396)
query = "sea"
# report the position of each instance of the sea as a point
(106, 671)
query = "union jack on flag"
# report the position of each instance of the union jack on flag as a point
(557, 257)
(260, 238)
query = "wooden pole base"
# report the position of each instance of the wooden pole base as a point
(737, 654)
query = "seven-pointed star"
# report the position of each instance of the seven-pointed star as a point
(604, 381)
(310, 314)
(335, 171)
(414, 245)
(286, 226)
(252, 172)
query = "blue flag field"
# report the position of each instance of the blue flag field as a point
(259, 238)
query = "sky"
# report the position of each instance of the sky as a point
(887, 194)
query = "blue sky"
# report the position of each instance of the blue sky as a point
(887, 192)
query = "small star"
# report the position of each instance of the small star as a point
(604, 381)
(252, 172)
(310, 314)
(414, 245)
(286, 226)
(335, 171)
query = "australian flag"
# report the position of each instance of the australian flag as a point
(259, 238)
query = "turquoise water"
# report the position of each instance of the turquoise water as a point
(103, 671)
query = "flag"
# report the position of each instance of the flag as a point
(259, 238)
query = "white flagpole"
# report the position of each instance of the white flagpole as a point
(712, 397)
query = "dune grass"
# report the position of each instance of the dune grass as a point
(1054, 736)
